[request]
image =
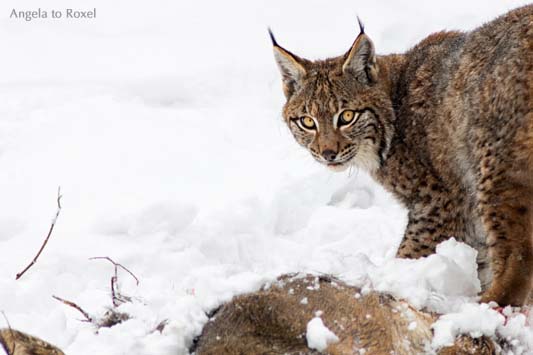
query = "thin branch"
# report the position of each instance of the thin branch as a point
(117, 265)
(54, 220)
(74, 305)
(10, 351)
(115, 294)
(161, 326)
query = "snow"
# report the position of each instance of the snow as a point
(161, 123)
(318, 335)
(434, 282)
(473, 319)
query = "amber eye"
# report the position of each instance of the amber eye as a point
(346, 117)
(307, 122)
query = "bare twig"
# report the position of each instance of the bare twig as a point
(19, 275)
(161, 326)
(74, 305)
(116, 265)
(10, 351)
(115, 294)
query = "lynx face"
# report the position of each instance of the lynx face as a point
(337, 108)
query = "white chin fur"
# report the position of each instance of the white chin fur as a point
(367, 159)
(338, 168)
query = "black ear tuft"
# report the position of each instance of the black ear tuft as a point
(291, 66)
(274, 42)
(361, 26)
(361, 58)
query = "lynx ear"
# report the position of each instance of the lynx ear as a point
(291, 67)
(361, 58)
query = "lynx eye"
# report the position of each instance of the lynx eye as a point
(346, 117)
(307, 122)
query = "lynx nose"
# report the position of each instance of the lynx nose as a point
(329, 155)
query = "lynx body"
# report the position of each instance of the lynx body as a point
(447, 127)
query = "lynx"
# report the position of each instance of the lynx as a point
(447, 127)
(274, 320)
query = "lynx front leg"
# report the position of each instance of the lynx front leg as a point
(506, 207)
(430, 223)
(417, 241)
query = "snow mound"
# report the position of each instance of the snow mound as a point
(475, 320)
(433, 281)
(318, 335)
(510, 326)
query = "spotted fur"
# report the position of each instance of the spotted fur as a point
(447, 127)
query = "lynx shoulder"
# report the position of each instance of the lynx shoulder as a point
(447, 127)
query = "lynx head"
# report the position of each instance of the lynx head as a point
(339, 108)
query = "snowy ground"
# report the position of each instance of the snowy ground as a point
(161, 122)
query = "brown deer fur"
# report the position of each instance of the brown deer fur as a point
(273, 321)
(17, 343)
